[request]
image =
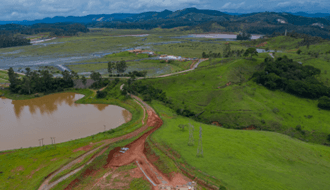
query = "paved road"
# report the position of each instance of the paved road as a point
(272, 56)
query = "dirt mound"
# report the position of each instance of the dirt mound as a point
(252, 127)
(72, 184)
(262, 44)
(217, 123)
(84, 148)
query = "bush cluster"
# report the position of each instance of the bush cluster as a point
(39, 81)
(292, 77)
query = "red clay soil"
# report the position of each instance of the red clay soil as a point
(193, 63)
(262, 44)
(85, 148)
(136, 153)
(216, 123)
(252, 127)
(72, 184)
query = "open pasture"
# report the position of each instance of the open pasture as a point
(254, 160)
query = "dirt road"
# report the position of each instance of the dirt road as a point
(46, 185)
(135, 152)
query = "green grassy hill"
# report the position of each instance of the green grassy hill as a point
(224, 93)
(247, 159)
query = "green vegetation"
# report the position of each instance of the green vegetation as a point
(224, 93)
(27, 168)
(4, 77)
(39, 81)
(125, 56)
(77, 165)
(247, 159)
(292, 77)
(153, 69)
(140, 184)
(96, 165)
(195, 49)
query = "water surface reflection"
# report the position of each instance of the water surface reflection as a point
(23, 122)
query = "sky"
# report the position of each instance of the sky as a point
(17, 10)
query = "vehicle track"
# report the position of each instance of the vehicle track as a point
(46, 185)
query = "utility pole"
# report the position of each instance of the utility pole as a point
(200, 149)
(191, 138)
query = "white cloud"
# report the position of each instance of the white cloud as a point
(282, 4)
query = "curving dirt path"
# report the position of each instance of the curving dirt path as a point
(135, 152)
(46, 185)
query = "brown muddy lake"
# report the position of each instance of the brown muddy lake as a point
(24, 122)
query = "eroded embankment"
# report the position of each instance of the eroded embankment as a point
(136, 155)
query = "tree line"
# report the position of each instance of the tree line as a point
(10, 41)
(292, 77)
(40, 81)
(56, 29)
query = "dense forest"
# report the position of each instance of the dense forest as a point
(292, 77)
(39, 82)
(9, 37)
(56, 29)
(9, 41)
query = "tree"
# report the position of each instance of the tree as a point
(250, 51)
(28, 71)
(96, 76)
(13, 79)
(182, 127)
(299, 51)
(204, 55)
(324, 103)
(244, 36)
(26, 86)
(227, 49)
(121, 66)
(84, 81)
(111, 67)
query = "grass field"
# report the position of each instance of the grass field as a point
(26, 168)
(153, 67)
(195, 49)
(242, 103)
(3, 77)
(247, 159)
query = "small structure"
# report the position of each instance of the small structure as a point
(281, 21)
(135, 51)
(318, 24)
(124, 149)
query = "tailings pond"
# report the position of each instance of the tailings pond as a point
(24, 122)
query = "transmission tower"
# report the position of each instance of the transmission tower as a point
(200, 149)
(191, 138)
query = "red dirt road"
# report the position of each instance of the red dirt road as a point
(136, 154)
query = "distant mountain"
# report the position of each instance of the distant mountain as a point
(281, 18)
(75, 19)
(187, 13)
(261, 22)
(314, 15)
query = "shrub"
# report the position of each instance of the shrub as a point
(298, 127)
(275, 110)
(101, 94)
(324, 103)
(222, 188)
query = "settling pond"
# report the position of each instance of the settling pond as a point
(24, 122)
